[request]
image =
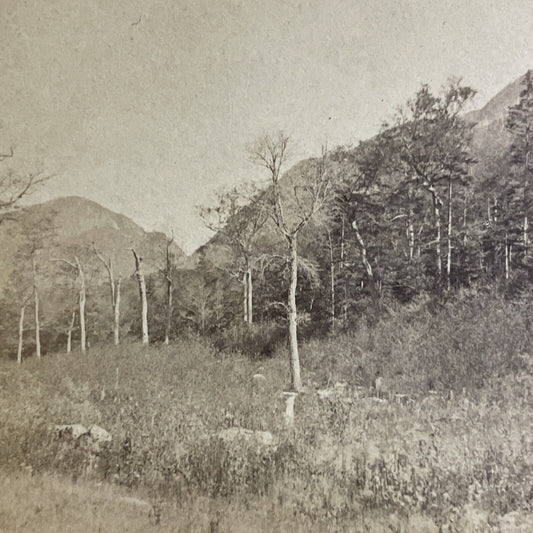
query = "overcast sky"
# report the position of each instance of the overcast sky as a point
(147, 106)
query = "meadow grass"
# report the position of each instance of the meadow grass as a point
(446, 437)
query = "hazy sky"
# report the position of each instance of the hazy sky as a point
(147, 106)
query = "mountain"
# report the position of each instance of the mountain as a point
(492, 115)
(67, 226)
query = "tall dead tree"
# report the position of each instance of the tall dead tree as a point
(142, 293)
(167, 273)
(81, 298)
(114, 288)
(36, 307)
(291, 210)
(238, 218)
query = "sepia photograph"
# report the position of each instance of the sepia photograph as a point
(266, 266)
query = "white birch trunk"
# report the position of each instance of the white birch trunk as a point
(116, 314)
(142, 292)
(332, 283)
(250, 295)
(296, 382)
(449, 237)
(21, 334)
(436, 213)
(169, 310)
(69, 332)
(506, 258)
(36, 306)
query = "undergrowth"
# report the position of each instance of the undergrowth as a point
(448, 425)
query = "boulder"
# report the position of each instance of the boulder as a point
(259, 380)
(99, 434)
(74, 430)
(237, 434)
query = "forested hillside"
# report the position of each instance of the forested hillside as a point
(437, 201)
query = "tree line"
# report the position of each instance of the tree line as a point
(333, 240)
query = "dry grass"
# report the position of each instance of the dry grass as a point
(365, 459)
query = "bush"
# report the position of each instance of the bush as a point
(256, 341)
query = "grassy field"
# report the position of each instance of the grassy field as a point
(422, 422)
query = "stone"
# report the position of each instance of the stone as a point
(75, 430)
(99, 434)
(235, 434)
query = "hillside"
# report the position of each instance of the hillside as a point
(69, 224)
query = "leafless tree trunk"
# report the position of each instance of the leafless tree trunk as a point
(82, 299)
(142, 292)
(245, 297)
(449, 237)
(436, 215)
(345, 281)
(249, 293)
(331, 282)
(21, 333)
(271, 153)
(168, 278)
(296, 380)
(36, 306)
(363, 252)
(114, 287)
(69, 332)
(506, 244)
(116, 314)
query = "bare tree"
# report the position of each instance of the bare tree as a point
(239, 216)
(142, 293)
(13, 188)
(114, 287)
(36, 305)
(292, 205)
(167, 272)
(81, 299)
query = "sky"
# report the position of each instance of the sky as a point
(147, 107)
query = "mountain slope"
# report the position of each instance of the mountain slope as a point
(67, 226)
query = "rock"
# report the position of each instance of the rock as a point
(235, 434)
(325, 394)
(516, 522)
(99, 434)
(259, 379)
(75, 430)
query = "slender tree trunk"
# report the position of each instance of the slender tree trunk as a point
(69, 332)
(245, 297)
(114, 288)
(36, 306)
(345, 280)
(465, 225)
(142, 293)
(436, 213)
(525, 195)
(449, 237)
(116, 314)
(506, 258)
(331, 283)
(21, 334)
(296, 383)
(169, 309)
(250, 295)
(362, 249)
(410, 226)
(82, 300)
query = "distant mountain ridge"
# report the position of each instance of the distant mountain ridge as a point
(74, 223)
